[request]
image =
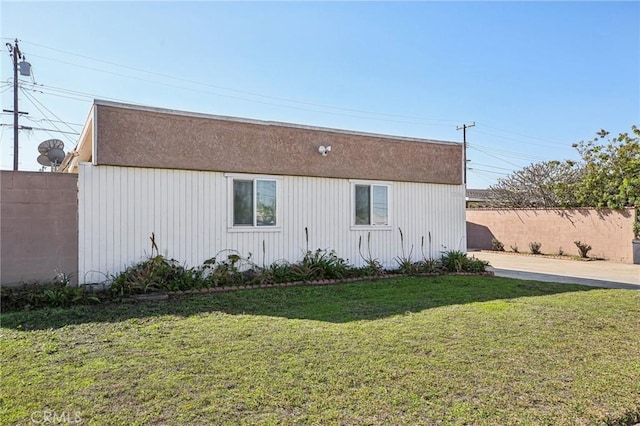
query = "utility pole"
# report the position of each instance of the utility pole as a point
(464, 128)
(25, 69)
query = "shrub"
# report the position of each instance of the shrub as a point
(476, 265)
(405, 264)
(56, 293)
(514, 248)
(583, 248)
(534, 247)
(152, 274)
(430, 266)
(277, 272)
(457, 261)
(560, 252)
(496, 245)
(324, 264)
(372, 267)
(234, 270)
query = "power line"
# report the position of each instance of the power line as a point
(55, 91)
(40, 120)
(491, 166)
(30, 98)
(243, 99)
(488, 171)
(497, 158)
(527, 142)
(246, 92)
(524, 136)
(507, 153)
(52, 113)
(488, 179)
(40, 129)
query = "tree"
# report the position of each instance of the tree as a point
(607, 176)
(611, 171)
(545, 184)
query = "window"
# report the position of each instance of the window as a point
(371, 205)
(254, 202)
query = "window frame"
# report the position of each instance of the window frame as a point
(352, 210)
(231, 227)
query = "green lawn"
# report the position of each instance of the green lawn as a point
(441, 350)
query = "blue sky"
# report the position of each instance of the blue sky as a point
(534, 76)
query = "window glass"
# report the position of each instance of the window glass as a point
(380, 205)
(363, 206)
(243, 202)
(266, 203)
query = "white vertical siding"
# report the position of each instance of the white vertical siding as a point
(120, 207)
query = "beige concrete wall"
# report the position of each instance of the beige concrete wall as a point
(38, 226)
(132, 136)
(608, 232)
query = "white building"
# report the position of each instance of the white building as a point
(203, 183)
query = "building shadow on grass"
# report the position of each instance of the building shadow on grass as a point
(341, 303)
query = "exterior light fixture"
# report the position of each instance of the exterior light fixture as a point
(324, 150)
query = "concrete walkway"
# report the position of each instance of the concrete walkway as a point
(598, 273)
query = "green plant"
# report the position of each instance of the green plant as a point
(560, 251)
(514, 248)
(476, 265)
(234, 270)
(325, 264)
(277, 272)
(405, 262)
(62, 296)
(454, 261)
(636, 225)
(372, 266)
(534, 247)
(156, 273)
(496, 245)
(144, 277)
(583, 249)
(56, 293)
(425, 257)
(430, 266)
(457, 261)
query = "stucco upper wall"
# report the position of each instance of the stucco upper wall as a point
(148, 138)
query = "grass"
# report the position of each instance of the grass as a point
(447, 350)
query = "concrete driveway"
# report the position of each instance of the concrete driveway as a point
(598, 273)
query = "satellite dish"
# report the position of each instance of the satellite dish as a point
(43, 160)
(49, 144)
(55, 155)
(51, 153)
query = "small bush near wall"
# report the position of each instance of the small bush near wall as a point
(496, 245)
(583, 249)
(534, 247)
(56, 293)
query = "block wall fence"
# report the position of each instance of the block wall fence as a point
(608, 232)
(38, 226)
